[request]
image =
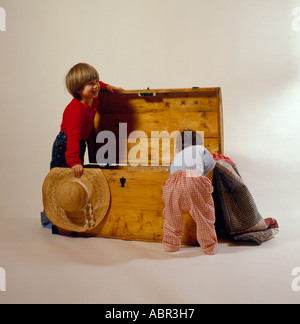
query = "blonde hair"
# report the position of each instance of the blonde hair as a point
(78, 76)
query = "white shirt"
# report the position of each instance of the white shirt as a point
(191, 158)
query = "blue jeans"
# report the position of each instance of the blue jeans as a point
(59, 161)
(59, 151)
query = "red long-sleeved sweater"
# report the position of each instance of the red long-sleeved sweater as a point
(77, 124)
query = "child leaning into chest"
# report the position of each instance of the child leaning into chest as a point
(188, 189)
(69, 147)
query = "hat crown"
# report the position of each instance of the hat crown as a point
(71, 196)
(87, 197)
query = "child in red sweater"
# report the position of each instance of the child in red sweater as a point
(69, 147)
(83, 83)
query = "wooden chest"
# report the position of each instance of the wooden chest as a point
(142, 126)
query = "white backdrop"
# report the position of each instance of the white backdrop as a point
(247, 47)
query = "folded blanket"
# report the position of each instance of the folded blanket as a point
(260, 236)
(236, 211)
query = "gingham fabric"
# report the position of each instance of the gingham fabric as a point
(189, 191)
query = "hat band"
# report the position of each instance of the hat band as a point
(88, 196)
(89, 216)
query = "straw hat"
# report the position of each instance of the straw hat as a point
(76, 204)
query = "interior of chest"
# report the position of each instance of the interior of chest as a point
(138, 129)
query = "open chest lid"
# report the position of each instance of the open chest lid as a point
(139, 127)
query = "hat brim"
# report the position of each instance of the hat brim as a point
(75, 221)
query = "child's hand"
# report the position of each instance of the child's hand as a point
(111, 88)
(78, 170)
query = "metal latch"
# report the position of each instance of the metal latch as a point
(147, 93)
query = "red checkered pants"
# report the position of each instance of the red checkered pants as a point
(189, 191)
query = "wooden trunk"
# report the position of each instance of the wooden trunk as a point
(149, 120)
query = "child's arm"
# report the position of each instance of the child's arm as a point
(103, 85)
(110, 88)
(73, 119)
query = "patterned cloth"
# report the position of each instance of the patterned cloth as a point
(218, 157)
(236, 212)
(189, 191)
(260, 236)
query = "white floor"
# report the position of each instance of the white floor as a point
(45, 268)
